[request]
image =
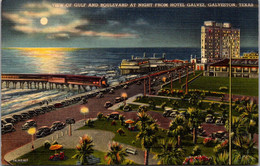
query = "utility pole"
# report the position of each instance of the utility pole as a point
(179, 77)
(230, 101)
(149, 85)
(144, 88)
(187, 81)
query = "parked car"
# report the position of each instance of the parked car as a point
(111, 91)
(209, 118)
(6, 128)
(32, 113)
(17, 117)
(119, 99)
(127, 108)
(219, 135)
(46, 109)
(100, 95)
(113, 115)
(57, 125)
(3, 122)
(25, 116)
(28, 124)
(58, 105)
(167, 112)
(43, 131)
(10, 120)
(125, 87)
(108, 104)
(174, 113)
(39, 111)
(220, 121)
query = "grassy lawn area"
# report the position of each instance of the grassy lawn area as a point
(177, 85)
(41, 156)
(106, 125)
(242, 86)
(130, 137)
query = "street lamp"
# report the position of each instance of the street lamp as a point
(84, 110)
(32, 131)
(164, 79)
(124, 95)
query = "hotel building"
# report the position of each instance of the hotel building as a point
(216, 39)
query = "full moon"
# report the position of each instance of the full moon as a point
(44, 21)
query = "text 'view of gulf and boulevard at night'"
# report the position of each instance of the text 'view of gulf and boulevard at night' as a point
(89, 87)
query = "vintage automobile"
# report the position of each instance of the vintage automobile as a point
(43, 131)
(57, 125)
(108, 104)
(209, 118)
(6, 128)
(28, 124)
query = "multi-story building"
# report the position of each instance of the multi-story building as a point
(218, 41)
(250, 55)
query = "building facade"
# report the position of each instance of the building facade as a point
(219, 40)
(240, 68)
(250, 55)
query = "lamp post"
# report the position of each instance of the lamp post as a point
(230, 100)
(84, 111)
(32, 131)
(164, 79)
(124, 95)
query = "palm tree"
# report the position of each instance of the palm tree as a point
(116, 154)
(178, 127)
(238, 127)
(250, 111)
(221, 159)
(194, 121)
(148, 129)
(170, 155)
(84, 149)
(243, 151)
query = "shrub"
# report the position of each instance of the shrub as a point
(100, 116)
(152, 104)
(220, 148)
(209, 142)
(133, 142)
(89, 123)
(55, 142)
(197, 160)
(113, 123)
(163, 105)
(120, 131)
(47, 144)
(196, 151)
(122, 119)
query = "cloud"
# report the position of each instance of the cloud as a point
(17, 18)
(27, 21)
(58, 36)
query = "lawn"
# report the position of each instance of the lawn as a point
(130, 137)
(177, 85)
(40, 156)
(106, 125)
(241, 86)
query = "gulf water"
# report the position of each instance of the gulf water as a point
(80, 61)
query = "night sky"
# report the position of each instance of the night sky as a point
(116, 27)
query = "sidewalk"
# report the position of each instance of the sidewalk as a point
(101, 139)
